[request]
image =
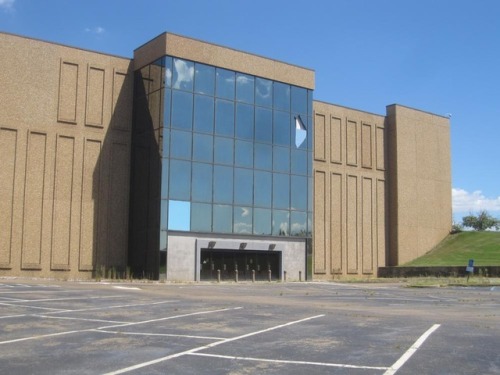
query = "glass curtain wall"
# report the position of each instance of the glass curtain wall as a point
(236, 152)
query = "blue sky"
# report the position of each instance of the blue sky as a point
(441, 56)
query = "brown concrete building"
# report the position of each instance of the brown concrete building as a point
(192, 158)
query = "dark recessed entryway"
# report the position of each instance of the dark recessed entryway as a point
(227, 261)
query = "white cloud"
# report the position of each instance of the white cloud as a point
(463, 201)
(7, 4)
(94, 30)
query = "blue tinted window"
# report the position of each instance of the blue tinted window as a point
(244, 121)
(183, 75)
(281, 128)
(298, 193)
(225, 83)
(180, 146)
(243, 186)
(224, 117)
(165, 143)
(180, 179)
(280, 223)
(281, 190)
(202, 182)
(263, 188)
(263, 125)
(163, 214)
(182, 109)
(223, 150)
(222, 218)
(167, 71)
(167, 98)
(203, 114)
(201, 217)
(263, 156)
(263, 92)
(309, 193)
(262, 221)
(203, 147)
(204, 79)
(281, 96)
(299, 101)
(310, 102)
(299, 162)
(179, 214)
(298, 224)
(281, 159)
(164, 178)
(223, 184)
(245, 88)
(242, 220)
(243, 154)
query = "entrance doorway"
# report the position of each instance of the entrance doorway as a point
(228, 261)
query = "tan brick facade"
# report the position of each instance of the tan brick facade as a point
(382, 184)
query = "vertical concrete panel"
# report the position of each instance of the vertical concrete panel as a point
(122, 101)
(335, 140)
(319, 222)
(381, 220)
(62, 204)
(380, 148)
(352, 224)
(352, 143)
(68, 85)
(336, 222)
(94, 109)
(366, 146)
(8, 154)
(367, 225)
(118, 205)
(319, 137)
(31, 255)
(90, 204)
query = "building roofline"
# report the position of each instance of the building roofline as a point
(65, 45)
(416, 109)
(226, 47)
(350, 108)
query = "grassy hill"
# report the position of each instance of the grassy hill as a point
(457, 249)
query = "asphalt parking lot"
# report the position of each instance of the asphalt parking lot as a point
(49, 327)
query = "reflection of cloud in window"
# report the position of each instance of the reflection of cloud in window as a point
(265, 86)
(245, 212)
(243, 80)
(185, 73)
(229, 79)
(168, 77)
(300, 132)
(243, 228)
(298, 228)
(284, 228)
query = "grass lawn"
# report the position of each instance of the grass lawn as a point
(457, 249)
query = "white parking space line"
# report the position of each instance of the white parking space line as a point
(126, 287)
(324, 364)
(44, 336)
(29, 307)
(112, 307)
(82, 319)
(73, 298)
(407, 355)
(160, 334)
(170, 317)
(194, 350)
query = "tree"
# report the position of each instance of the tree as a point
(481, 222)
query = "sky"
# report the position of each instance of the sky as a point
(440, 56)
